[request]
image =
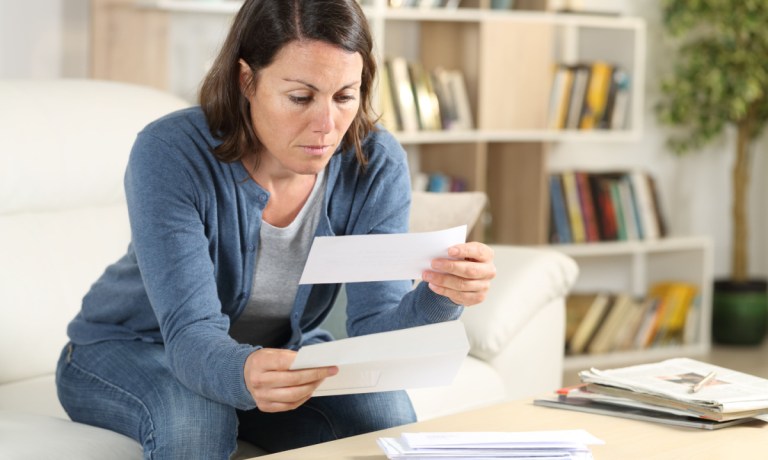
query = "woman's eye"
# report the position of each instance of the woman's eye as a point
(342, 98)
(300, 100)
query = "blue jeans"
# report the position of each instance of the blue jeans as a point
(127, 387)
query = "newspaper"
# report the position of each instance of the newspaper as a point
(672, 381)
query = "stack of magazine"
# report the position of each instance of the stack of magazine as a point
(680, 391)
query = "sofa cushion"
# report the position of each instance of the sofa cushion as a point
(477, 384)
(432, 211)
(33, 396)
(527, 279)
(66, 142)
(38, 437)
(26, 403)
(50, 260)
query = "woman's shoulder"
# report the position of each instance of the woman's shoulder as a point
(186, 122)
(178, 138)
(382, 148)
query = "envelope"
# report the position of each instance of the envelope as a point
(417, 357)
(357, 258)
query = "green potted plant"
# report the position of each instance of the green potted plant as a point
(720, 79)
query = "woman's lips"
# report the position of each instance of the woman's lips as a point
(316, 149)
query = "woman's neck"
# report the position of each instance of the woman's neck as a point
(288, 192)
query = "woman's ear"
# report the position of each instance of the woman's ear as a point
(246, 77)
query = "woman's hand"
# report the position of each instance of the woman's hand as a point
(465, 279)
(274, 387)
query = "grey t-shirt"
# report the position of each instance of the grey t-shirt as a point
(280, 261)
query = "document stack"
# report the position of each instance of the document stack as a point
(563, 444)
(678, 391)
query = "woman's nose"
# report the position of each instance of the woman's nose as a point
(323, 118)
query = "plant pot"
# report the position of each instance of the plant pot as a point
(740, 312)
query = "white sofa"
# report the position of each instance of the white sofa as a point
(62, 220)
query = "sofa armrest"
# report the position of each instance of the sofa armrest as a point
(527, 280)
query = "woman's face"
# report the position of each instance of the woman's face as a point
(302, 105)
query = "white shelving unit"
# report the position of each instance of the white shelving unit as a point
(507, 57)
(633, 267)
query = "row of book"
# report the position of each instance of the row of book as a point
(450, 4)
(587, 96)
(602, 322)
(438, 182)
(604, 206)
(414, 99)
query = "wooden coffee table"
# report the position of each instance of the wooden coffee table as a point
(624, 439)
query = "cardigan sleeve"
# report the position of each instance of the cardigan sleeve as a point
(168, 234)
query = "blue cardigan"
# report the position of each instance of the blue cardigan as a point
(195, 232)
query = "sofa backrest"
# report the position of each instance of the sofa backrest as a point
(65, 144)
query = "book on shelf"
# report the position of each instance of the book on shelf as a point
(626, 336)
(445, 97)
(559, 96)
(423, 100)
(588, 96)
(579, 398)
(438, 182)
(388, 112)
(448, 4)
(581, 73)
(597, 95)
(403, 95)
(607, 206)
(590, 324)
(458, 90)
(573, 205)
(644, 204)
(577, 305)
(617, 105)
(587, 206)
(675, 299)
(655, 197)
(427, 104)
(605, 211)
(697, 388)
(618, 205)
(561, 227)
(632, 225)
(646, 330)
(607, 334)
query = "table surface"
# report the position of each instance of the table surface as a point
(625, 439)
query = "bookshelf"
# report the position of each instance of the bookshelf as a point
(507, 58)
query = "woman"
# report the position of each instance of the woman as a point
(185, 343)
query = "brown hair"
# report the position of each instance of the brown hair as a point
(260, 30)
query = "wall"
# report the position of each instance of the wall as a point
(48, 39)
(43, 38)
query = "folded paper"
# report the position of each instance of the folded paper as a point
(416, 357)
